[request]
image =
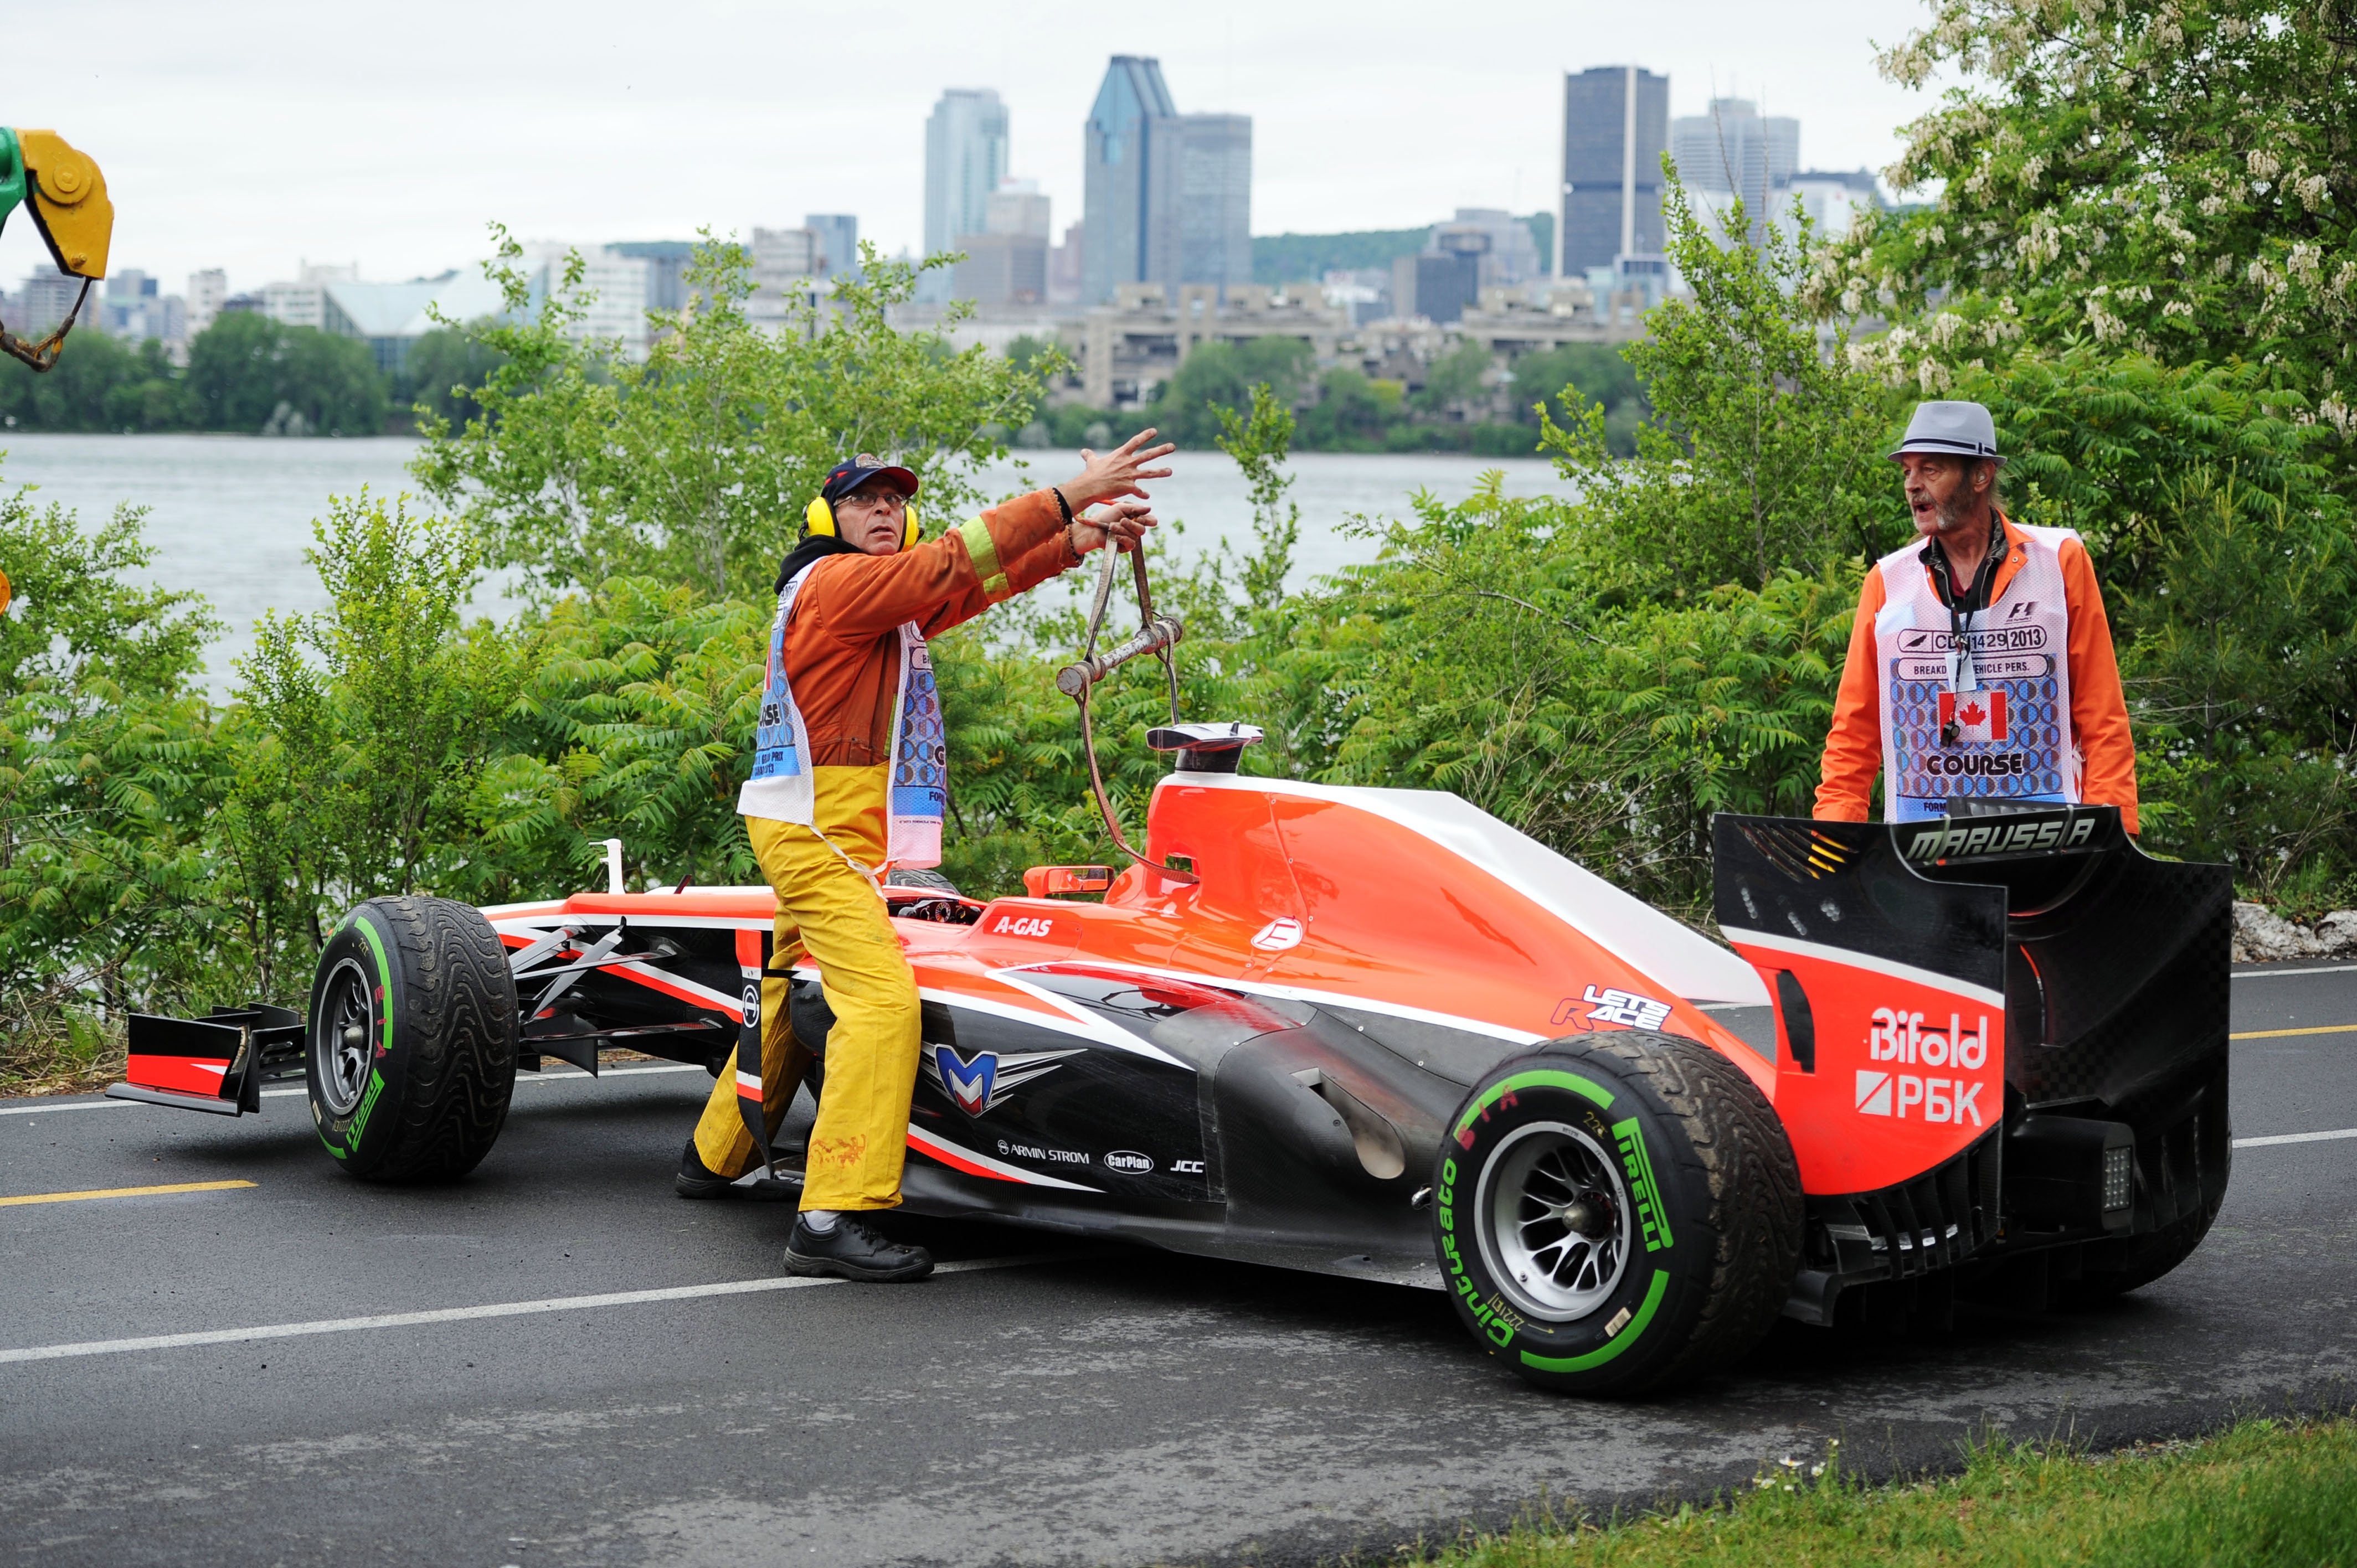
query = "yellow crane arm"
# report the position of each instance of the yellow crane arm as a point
(70, 202)
(71, 210)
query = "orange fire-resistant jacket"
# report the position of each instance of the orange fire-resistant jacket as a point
(843, 645)
(2099, 712)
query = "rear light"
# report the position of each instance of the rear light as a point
(2119, 1178)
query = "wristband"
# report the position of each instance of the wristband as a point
(1063, 504)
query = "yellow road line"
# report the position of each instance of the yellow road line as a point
(123, 1192)
(2281, 1034)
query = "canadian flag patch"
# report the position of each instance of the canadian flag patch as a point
(1977, 716)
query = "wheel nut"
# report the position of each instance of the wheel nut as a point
(355, 1037)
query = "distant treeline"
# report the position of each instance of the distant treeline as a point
(246, 374)
(1291, 258)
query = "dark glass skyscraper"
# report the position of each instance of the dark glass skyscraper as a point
(1168, 195)
(1616, 126)
(1114, 193)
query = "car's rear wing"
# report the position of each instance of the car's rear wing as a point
(216, 1063)
(2030, 971)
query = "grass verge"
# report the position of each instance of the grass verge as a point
(68, 1053)
(2265, 1492)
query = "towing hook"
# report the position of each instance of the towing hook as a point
(1160, 632)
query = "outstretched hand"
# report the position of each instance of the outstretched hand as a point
(1121, 524)
(1112, 475)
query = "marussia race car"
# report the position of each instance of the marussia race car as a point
(1379, 1032)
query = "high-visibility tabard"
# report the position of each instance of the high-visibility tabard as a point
(2004, 687)
(781, 787)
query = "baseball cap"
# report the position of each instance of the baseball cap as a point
(1955, 429)
(852, 472)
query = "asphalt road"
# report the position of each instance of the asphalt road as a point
(1121, 1407)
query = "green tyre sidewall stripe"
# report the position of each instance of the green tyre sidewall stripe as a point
(346, 1137)
(1536, 1078)
(1654, 1290)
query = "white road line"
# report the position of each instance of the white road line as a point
(522, 1079)
(497, 1309)
(2287, 973)
(2296, 1138)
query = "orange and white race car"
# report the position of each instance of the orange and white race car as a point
(1379, 1032)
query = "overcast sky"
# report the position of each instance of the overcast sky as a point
(253, 136)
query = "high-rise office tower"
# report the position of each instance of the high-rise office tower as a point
(965, 159)
(838, 240)
(1734, 150)
(1114, 196)
(1616, 126)
(1199, 199)
(1169, 196)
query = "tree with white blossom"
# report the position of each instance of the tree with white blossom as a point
(2176, 181)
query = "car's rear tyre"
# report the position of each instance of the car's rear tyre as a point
(411, 1044)
(1615, 1213)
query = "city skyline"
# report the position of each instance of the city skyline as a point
(399, 152)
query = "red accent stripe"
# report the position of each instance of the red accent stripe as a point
(745, 1091)
(949, 1158)
(183, 1075)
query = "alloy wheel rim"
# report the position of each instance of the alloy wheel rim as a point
(1554, 1221)
(340, 1058)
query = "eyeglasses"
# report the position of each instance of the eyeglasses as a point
(891, 500)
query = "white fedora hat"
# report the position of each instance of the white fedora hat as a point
(1955, 429)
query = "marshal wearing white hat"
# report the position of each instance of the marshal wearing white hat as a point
(1980, 664)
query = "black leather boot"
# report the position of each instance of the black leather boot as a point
(852, 1251)
(696, 1180)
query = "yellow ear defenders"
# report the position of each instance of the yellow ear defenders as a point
(819, 518)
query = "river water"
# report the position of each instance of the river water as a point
(230, 516)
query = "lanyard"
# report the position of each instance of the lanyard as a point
(1963, 673)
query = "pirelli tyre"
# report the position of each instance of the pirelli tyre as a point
(1616, 1213)
(411, 1049)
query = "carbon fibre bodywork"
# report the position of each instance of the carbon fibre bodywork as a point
(2100, 1111)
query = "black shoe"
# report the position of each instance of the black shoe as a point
(696, 1180)
(854, 1251)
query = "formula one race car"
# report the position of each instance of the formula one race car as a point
(1379, 1032)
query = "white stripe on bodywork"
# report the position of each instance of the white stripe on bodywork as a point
(1683, 961)
(1328, 998)
(918, 1138)
(721, 1000)
(1883, 966)
(1085, 1023)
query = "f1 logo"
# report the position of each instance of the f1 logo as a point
(2022, 611)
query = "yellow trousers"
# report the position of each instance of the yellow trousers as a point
(831, 914)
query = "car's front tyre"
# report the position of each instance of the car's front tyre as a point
(411, 1040)
(1617, 1212)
